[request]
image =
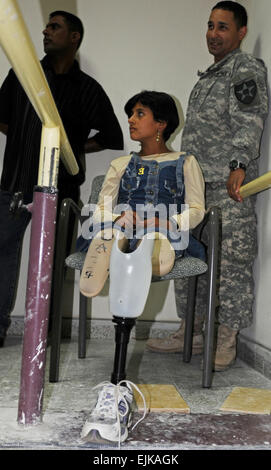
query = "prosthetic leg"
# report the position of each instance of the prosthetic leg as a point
(130, 279)
(95, 270)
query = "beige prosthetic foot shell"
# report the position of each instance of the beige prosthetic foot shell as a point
(96, 266)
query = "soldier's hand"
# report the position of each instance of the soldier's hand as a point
(234, 183)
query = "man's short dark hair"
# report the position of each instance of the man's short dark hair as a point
(163, 108)
(239, 12)
(74, 23)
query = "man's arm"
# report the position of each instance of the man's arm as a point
(248, 108)
(3, 128)
(7, 91)
(99, 116)
(92, 145)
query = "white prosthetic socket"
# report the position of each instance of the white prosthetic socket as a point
(130, 278)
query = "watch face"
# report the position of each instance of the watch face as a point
(233, 164)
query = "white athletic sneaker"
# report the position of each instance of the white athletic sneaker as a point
(112, 414)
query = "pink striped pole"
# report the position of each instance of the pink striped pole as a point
(37, 305)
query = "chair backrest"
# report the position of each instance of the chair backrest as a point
(96, 188)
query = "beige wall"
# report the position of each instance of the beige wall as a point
(129, 46)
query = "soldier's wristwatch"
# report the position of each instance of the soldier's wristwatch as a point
(235, 164)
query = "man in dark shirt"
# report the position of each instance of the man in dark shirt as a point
(83, 106)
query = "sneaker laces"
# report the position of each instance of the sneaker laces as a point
(119, 396)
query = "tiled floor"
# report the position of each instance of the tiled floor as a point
(67, 403)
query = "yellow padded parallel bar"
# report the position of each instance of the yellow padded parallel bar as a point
(49, 157)
(19, 49)
(257, 185)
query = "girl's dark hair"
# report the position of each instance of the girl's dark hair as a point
(162, 106)
(74, 23)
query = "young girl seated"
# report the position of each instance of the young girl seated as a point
(155, 192)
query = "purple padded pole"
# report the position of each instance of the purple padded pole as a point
(37, 304)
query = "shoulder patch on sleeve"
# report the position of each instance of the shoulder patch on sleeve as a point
(246, 91)
(246, 88)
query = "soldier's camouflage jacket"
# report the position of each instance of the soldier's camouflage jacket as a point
(225, 116)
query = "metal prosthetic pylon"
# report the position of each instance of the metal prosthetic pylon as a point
(123, 329)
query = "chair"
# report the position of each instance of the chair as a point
(183, 267)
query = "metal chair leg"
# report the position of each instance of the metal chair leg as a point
(209, 346)
(211, 304)
(189, 322)
(56, 323)
(83, 302)
(67, 205)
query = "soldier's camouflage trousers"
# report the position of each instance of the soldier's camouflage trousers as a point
(235, 293)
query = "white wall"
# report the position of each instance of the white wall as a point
(258, 43)
(129, 46)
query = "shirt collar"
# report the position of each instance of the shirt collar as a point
(72, 72)
(216, 66)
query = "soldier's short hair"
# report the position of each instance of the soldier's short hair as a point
(162, 106)
(239, 12)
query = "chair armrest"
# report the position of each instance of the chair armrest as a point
(211, 217)
(67, 206)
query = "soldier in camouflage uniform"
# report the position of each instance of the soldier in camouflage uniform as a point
(224, 124)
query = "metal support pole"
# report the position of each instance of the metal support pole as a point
(37, 305)
(16, 43)
(40, 267)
